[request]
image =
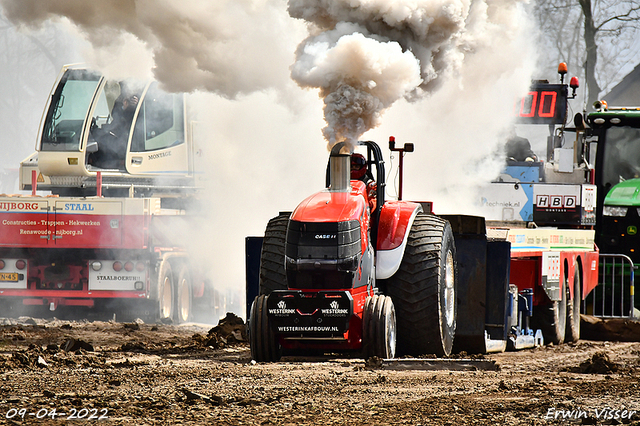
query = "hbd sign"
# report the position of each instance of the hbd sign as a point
(556, 201)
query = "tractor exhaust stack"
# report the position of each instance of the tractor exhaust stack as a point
(340, 168)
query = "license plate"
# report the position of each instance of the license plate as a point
(13, 277)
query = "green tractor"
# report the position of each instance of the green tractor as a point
(616, 132)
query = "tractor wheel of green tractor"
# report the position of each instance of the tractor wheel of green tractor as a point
(263, 341)
(552, 318)
(379, 328)
(272, 273)
(572, 332)
(424, 289)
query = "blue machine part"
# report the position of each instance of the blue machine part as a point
(526, 213)
(527, 172)
(524, 172)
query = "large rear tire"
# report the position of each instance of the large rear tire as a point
(424, 288)
(379, 327)
(572, 332)
(272, 273)
(263, 341)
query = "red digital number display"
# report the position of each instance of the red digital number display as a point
(543, 104)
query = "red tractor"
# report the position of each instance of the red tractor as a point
(350, 271)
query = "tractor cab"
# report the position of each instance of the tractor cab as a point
(131, 133)
(617, 132)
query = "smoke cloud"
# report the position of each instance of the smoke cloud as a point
(358, 74)
(364, 55)
(228, 47)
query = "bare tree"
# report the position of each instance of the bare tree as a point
(30, 62)
(596, 36)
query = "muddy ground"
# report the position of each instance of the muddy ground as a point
(147, 374)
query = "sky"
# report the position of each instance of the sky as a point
(274, 83)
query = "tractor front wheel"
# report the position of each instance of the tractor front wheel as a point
(263, 341)
(379, 327)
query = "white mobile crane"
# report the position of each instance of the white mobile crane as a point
(120, 162)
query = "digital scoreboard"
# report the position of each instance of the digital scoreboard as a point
(544, 104)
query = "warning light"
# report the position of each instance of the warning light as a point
(562, 68)
(574, 83)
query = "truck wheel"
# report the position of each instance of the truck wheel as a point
(572, 332)
(552, 318)
(379, 327)
(272, 273)
(263, 341)
(424, 288)
(183, 297)
(165, 292)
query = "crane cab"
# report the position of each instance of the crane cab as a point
(132, 132)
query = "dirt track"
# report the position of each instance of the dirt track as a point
(161, 374)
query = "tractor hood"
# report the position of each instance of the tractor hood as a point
(327, 206)
(625, 193)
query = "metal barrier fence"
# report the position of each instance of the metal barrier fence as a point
(613, 297)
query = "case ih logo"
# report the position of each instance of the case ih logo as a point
(556, 201)
(325, 236)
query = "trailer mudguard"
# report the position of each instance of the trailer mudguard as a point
(396, 219)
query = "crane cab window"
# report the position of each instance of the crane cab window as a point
(160, 122)
(69, 106)
(111, 123)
